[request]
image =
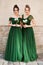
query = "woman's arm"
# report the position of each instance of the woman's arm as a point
(26, 26)
(9, 24)
(33, 22)
(31, 25)
(17, 25)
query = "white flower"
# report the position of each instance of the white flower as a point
(25, 21)
(16, 19)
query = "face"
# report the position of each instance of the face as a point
(27, 11)
(16, 11)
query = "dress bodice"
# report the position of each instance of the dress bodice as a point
(14, 20)
(27, 20)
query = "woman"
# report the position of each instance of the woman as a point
(29, 47)
(13, 50)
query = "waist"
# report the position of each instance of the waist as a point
(14, 27)
(27, 27)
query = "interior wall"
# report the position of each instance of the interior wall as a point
(6, 9)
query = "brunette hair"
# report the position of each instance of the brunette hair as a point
(15, 6)
(27, 6)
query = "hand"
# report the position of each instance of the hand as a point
(21, 23)
(25, 26)
(13, 25)
(9, 24)
(18, 25)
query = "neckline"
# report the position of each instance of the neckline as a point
(26, 17)
(15, 18)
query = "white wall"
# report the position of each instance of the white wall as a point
(6, 10)
(6, 7)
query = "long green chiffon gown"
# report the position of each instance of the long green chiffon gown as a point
(13, 50)
(28, 41)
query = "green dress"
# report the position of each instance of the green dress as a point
(13, 50)
(28, 41)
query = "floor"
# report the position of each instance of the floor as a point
(38, 62)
